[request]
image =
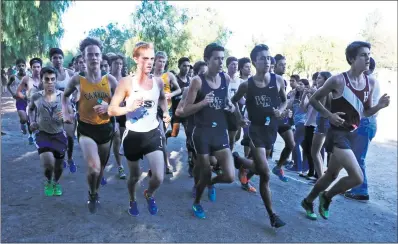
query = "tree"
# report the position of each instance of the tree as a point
(113, 38)
(30, 28)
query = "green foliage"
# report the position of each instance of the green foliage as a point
(30, 28)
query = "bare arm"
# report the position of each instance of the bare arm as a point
(180, 108)
(190, 107)
(9, 84)
(32, 108)
(282, 94)
(304, 101)
(23, 85)
(121, 92)
(330, 85)
(162, 98)
(69, 89)
(384, 101)
(174, 84)
(242, 90)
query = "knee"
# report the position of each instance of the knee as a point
(332, 175)
(264, 174)
(134, 178)
(157, 177)
(93, 166)
(23, 120)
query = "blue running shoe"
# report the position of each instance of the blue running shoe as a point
(198, 211)
(211, 193)
(30, 139)
(280, 173)
(72, 166)
(152, 208)
(133, 209)
(103, 181)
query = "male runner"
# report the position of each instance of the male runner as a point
(366, 132)
(352, 93)
(64, 75)
(30, 85)
(265, 103)
(143, 93)
(21, 104)
(116, 63)
(233, 128)
(51, 139)
(208, 99)
(79, 64)
(199, 68)
(95, 130)
(105, 64)
(284, 127)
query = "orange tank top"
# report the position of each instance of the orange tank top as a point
(90, 95)
(166, 87)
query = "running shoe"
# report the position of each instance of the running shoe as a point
(211, 193)
(49, 189)
(358, 197)
(243, 176)
(152, 208)
(276, 222)
(30, 139)
(309, 209)
(324, 204)
(248, 187)
(122, 174)
(103, 181)
(237, 164)
(133, 209)
(57, 189)
(280, 173)
(93, 202)
(198, 211)
(72, 166)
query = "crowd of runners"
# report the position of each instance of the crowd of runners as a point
(136, 114)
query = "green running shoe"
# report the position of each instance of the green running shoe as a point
(49, 189)
(57, 189)
(324, 205)
(309, 209)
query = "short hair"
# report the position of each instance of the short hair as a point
(20, 61)
(55, 50)
(278, 58)
(212, 47)
(141, 46)
(242, 62)
(325, 74)
(182, 60)
(161, 54)
(89, 41)
(197, 66)
(116, 57)
(258, 48)
(81, 56)
(230, 60)
(35, 60)
(372, 64)
(106, 58)
(315, 75)
(305, 82)
(352, 50)
(296, 77)
(273, 61)
(48, 70)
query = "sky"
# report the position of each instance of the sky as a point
(270, 19)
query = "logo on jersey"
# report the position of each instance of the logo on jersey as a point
(50, 111)
(96, 95)
(217, 103)
(263, 101)
(149, 104)
(365, 96)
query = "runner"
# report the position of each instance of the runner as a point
(143, 93)
(352, 93)
(51, 139)
(31, 85)
(95, 130)
(105, 64)
(366, 132)
(171, 89)
(79, 64)
(3, 80)
(233, 128)
(21, 104)
(199, 68)
(64, 75)
(284, 128)
(208, 99)
(266, 101)
(322, 125)
(116, 63)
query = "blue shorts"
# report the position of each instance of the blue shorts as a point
(208, 140)
(55, 143)
(339, 138)
(264, 136)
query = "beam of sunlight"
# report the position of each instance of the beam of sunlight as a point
(24, 156)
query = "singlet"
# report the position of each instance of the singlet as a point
(143, 119)
(352, 102)
(261, 101)
(49, 114)
(233, 86)
(17, 82)
(90, 95)
(214, 114)
(176, 99)
(166, 87)
(61, 84)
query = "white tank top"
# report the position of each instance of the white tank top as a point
(143, 119)
(233, 86)
(61, 84)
